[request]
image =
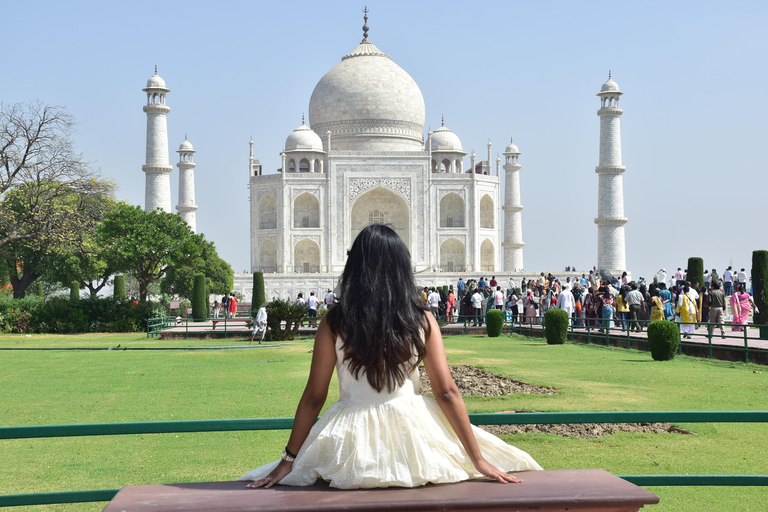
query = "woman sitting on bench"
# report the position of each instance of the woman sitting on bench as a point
(382, 432)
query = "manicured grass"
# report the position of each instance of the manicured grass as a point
(57, 387)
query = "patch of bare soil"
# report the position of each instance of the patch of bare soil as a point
(474, 381)
(584, 430)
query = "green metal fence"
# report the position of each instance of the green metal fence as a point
(160, 427)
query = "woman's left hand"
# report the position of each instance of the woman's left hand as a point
(274, 477)
(492, 471)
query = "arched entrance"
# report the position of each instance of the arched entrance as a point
(267, 212)
(306, 256)
(486, 256)
(486, 212)
(380, 206)
(452, 211)
(268, 256)
(306, 211)
(452, 256)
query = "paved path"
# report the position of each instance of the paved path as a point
(733, 339)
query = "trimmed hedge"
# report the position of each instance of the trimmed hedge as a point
(119, 287)
(696, 271)
(259, 297)
(74, 291)
(199, 298)
(494, 323)
(39, 289)
(556, 326)
(62, 316)
(663, 339)
(760, 289)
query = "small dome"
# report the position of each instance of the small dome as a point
(155, 82)
(303, 139)
(186, 146)
(444, 139)
(512, 148)
(610, 86)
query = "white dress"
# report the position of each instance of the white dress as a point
(400, 439)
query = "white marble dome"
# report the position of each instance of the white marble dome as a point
(155, 82)
(368, 103)
(186, 146)
(444, 139)
(610, 86)
(511, 148)
(303, 139)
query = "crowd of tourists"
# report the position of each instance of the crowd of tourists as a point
(601, 301)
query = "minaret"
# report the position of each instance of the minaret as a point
(157, 192)
(186, 165)
(513, 217)
(611, 253)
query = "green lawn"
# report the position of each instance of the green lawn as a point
(58, 387)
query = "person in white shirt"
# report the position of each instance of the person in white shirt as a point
(728, 280)
(498, 299)
(741, 278)
(661, 276)
(330, 298)
(433, 299)
(477, 306)
(511, 284)
(312, 303)
(566, 302)
(260, 324)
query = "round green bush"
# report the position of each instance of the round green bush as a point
(494, 323)
(199, 298)
(556, 326)
(663, 339)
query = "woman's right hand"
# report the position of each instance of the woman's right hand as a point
(491, 471)
(274, 477)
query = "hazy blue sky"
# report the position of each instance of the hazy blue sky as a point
(693, 129)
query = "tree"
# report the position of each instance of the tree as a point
(64, 224)
(259, 295)
(37, 157)
(218, 273)
(119, 288)
(695, 271)
(147, 244)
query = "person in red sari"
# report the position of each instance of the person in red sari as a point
(741, 306)
(232, 306)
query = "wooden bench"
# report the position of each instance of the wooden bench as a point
(543, 491)
(229, 321)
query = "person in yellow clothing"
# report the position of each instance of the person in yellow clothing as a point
(657, 307)
(686, 306)
(622, 308)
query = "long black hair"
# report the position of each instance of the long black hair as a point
(380, 316)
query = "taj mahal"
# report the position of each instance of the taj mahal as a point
(362, 157)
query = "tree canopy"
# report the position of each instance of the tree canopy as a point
(148, 244)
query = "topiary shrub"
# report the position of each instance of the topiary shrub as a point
(120, 287)
(291, 313)
(556, 326)
(259, 295)
(494, 323)
(696, 271)
(760, 290)
(199, 298)
(74, 291)
(663, 339)
(39, 289)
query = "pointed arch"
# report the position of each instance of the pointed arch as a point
(487, 263)
(486, 212)
(267, 212)
(268, 256)
(452, 255)
(306, 211)
(306, 256)
(452, 211)
(381, 206)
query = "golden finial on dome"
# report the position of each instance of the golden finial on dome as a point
(366, 28)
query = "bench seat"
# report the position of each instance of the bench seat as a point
(543, 491)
